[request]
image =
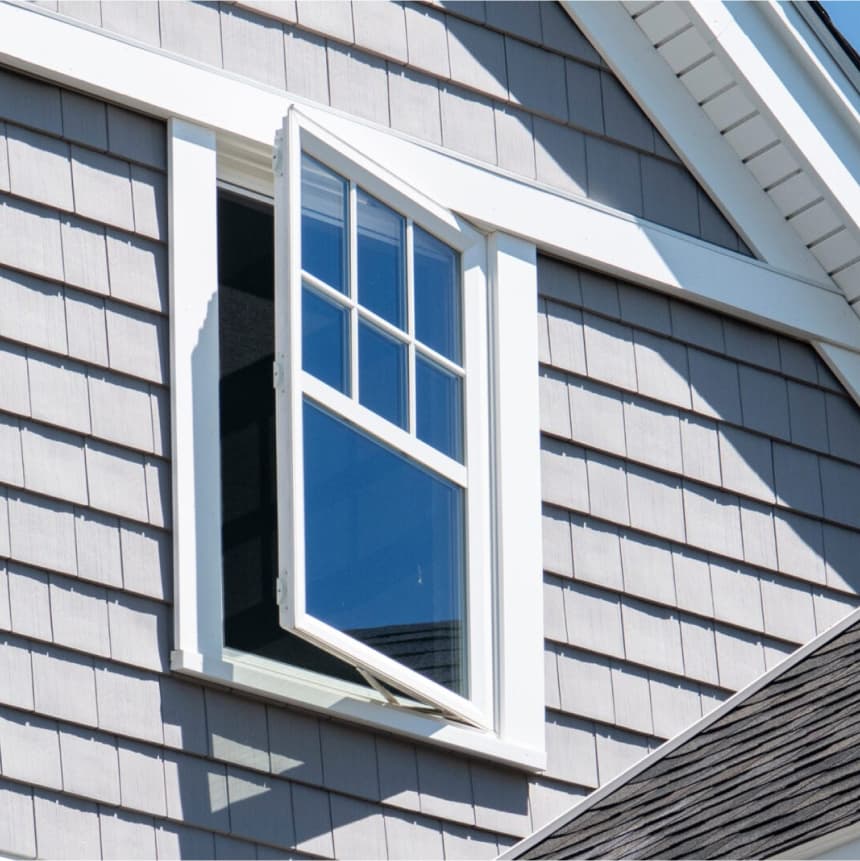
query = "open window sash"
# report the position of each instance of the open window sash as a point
(295, 388)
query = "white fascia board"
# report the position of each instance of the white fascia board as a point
(782, 77)
(778, 295)
(710, 158)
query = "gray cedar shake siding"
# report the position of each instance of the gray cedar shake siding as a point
(514, 84)
(696, 518)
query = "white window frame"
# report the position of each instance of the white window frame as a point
(507, 723)
(301, 135)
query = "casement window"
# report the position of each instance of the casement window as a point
(382, 427)
(364, 571)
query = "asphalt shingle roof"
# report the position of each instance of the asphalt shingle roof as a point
(778, 769)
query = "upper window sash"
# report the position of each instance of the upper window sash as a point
(294, 386)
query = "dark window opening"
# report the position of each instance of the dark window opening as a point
(246, 275)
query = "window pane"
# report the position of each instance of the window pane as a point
(381, 253)
(439, 408)
(382, 373)
(437, 295)
(324, 245)
(384, 549)
(325, 340)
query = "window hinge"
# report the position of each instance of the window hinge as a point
(278, 154)
(279, 590)
(278, 375)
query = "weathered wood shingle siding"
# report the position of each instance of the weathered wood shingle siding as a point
(514, 84)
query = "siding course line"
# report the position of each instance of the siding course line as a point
(627, 395)
(789, 579)
(115, 742)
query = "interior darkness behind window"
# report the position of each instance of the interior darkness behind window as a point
(247, 433)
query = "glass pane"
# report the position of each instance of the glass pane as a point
(384, 549)
(439, 408)
(382, 373)
(325, 340)
(324, 245)
(381, 255)
(437, 295)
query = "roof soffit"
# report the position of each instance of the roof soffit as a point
(768, 111)
(654, 83)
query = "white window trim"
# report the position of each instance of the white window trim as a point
(517, 708)
(302, 135)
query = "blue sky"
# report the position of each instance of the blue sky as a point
(845, 14)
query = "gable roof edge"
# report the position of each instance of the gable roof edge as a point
(705, 152)
(675, 742)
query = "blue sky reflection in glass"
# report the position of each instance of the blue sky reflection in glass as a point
(325, 339)
(384, 532)
(437, 295)
(384, 549)
(381, 259)
(382, 374)
(400, 298)
(439, 408)
(324, 224)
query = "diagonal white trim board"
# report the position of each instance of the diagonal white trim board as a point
(674, 111)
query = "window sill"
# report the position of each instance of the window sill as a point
(334, 699)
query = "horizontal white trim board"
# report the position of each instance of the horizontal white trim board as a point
(573, 228)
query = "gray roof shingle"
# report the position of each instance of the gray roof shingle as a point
(774, 768)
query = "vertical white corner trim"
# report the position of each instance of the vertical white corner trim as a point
(193, 255)
(514, 355)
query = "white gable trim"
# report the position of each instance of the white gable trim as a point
(675, 112)
(777, 70)
(755, 81)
